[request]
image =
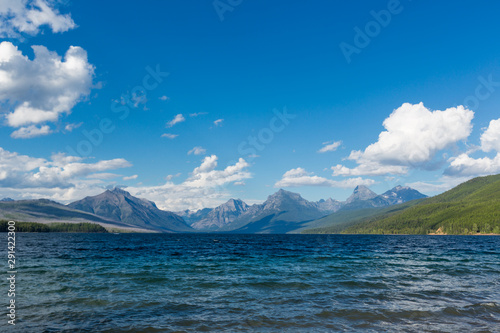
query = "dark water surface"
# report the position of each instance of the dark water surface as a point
(261, 283)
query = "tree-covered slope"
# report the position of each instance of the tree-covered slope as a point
(470, 208)
(337, 222)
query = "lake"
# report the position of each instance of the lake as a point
(261, 283)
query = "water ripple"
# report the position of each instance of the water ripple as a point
(264, 283)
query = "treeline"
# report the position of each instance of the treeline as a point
(462, 218)
(469, 209)
(54, 227)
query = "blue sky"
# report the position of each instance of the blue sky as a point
(232, 67)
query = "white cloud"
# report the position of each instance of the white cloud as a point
(31, 131)
(369, 169)
(196, 114)
(71, 127)
(139, 99)
(170, 177)
(445, 183)
(40, 90)
(218, 122)
(103, 176)
(330, 146)
(130, 177)
(169, 135)
(413, 137)
(201, 189)
(27, 16)
(299, 177)
(177, 119)
(490, 139)
(164, 98)
(61, 171)
(61, 178)
(464, 165)
(197, 151)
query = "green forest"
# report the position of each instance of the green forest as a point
(469, 209)
(53, 227)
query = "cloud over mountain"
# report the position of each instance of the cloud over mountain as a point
(203, 188)
(300, 177)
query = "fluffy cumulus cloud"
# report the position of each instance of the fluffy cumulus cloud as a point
(28, 16)
(464, 165)
(330, 146)
(413, 136)
(203, 188)
(490, 139)
(369, 168)
(299, 177)
(22, 171)
(467, 166)
(31, 131)
(61, 177)
(67, 178)
(40, 90)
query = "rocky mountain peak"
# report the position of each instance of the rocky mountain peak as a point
(120, 205)
(400, 194)
(221, 215)
(282, 194)
(119, 191)
(235, 204)
(361, 192)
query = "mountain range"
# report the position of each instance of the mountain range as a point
(46, 211)
(470, 208)
(363, 197)
(286, 211)
(282, 212)
(119, 205)
(221, 216)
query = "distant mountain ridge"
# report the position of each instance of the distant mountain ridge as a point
(45, 211)
(282, 212)
(221, 215)
(329, 205)
(285, 211)
(363, 198)
(120, 205)
(191, 217)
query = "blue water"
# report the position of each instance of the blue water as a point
(261, 283)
